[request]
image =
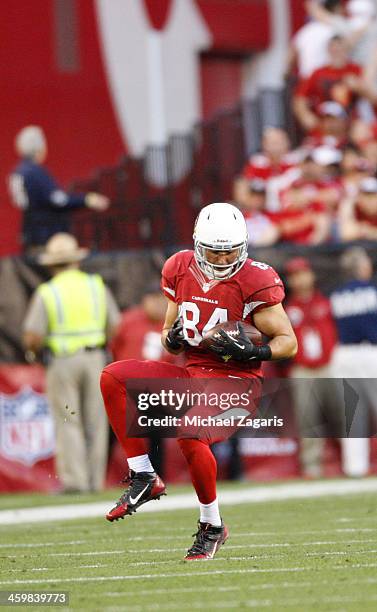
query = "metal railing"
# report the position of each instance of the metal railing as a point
(155, 199)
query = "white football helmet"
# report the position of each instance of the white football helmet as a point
(220, 227)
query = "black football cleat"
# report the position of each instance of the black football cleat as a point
(208, 540)
(143, 487)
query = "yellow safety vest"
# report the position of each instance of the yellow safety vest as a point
(76, 310)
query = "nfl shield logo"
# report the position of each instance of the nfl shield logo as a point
(26, 427)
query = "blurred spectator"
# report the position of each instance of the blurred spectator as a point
(310, 314)
(329, 83)
(251, 197)
(44, 204)
(139, 333)
(307, 205)
(364, 136)
(354, 306)
(139, 337)
(358, 214)
(354, 168)
(72, 316)
(275, 157)
(313, 35)
(357, 25)
(332, 128)
(361, 132)
(370, 75)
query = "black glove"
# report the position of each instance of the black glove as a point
(239, 348)
(175, 338)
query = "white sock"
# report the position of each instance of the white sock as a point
(209, 513)
(141, 463)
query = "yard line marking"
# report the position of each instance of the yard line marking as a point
(251, 603)
(140, 538)
(150, 576)
(184, 537)
(299, 490)
(257, 603)
(251, 557)
(33, 569)
(158, 576)
(341, 552)
(96, 565)
(53, 569)
(229, 546)
(181, 549)
(182, 590)
(249, 587)
(42, 544)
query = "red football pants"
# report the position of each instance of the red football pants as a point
(194, 442)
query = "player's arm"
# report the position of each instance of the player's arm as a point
(172, 332)
(274, 323)
(271, 321)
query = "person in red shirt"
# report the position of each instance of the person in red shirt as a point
(275, 157)
(332, 128)
(364, 136)
(354, 169)
(250, 196)
(307, 205)
(335, 82)
(310, 314)
(139, 333)
(214, 283)
(358, 214)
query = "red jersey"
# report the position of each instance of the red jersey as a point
(364, 217)
(315, 329)
(138, 337)
(260, 166)
(317, 138)
(327, 83)
(203, 303)
(289, 212)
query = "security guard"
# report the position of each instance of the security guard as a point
(73, 316)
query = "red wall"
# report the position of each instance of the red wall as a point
(73, 108)
(221, 80)
(298, 14)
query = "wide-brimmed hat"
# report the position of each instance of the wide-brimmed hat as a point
(61, 249)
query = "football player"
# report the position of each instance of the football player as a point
(214, 283)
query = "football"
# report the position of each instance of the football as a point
(231, 328)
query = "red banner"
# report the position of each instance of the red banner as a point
(27, 439)
(27, 444)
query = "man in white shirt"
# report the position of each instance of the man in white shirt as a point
(313, 35)
(327, 20)
(358, 25)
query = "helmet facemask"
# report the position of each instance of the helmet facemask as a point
(219, 271)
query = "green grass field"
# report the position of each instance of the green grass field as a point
(313, 554)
